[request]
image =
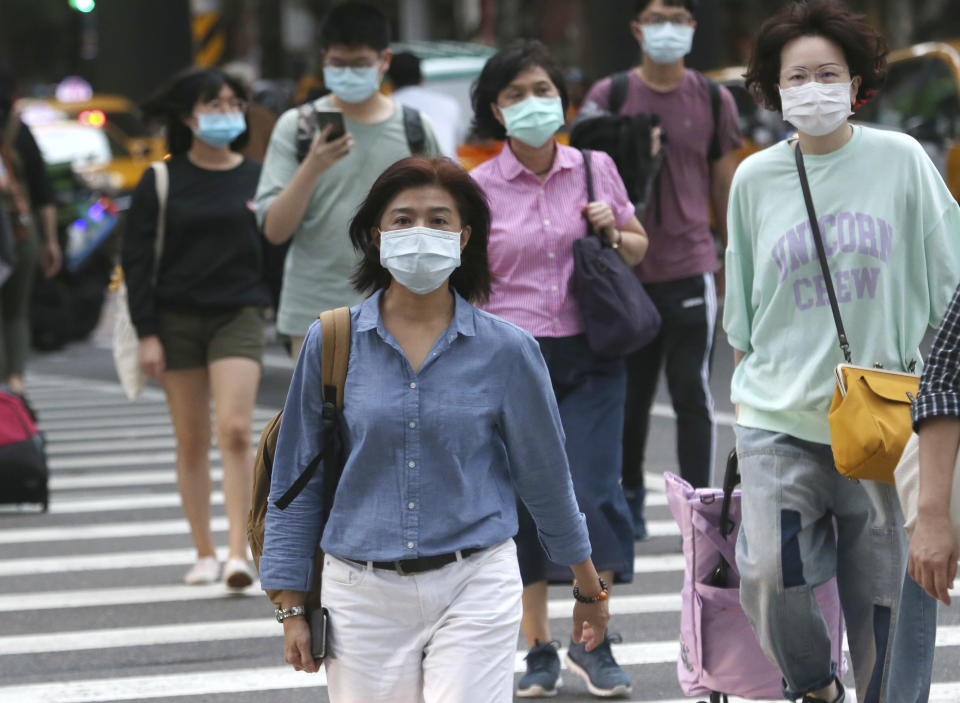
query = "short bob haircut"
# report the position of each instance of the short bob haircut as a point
(500, 69)
(175, 102)
(355, 25)
(864, 47)
(472, 278)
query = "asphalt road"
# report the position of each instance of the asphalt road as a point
(92, 606)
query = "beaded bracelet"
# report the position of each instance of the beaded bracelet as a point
(602, 595)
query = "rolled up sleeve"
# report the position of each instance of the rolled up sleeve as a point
(291, 535)
(534, 438)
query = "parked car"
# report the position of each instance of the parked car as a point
(921, 96)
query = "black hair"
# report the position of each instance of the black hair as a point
(691, 5)
(500, 69)
(863, 47)
(472, 278)
(356, 25)
(175, 101)
(8, 84)
(404, 70)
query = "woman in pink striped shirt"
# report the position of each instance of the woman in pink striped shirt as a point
(537, 191)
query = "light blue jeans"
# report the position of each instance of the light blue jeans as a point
(914, 642)
(787, 546)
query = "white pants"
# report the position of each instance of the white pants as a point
(448, 635)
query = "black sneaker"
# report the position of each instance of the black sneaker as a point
(599, 669)
(543, 671)
(841, 696)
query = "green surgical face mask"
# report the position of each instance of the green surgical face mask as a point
(535, 120)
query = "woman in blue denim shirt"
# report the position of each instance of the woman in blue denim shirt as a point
(447, 411)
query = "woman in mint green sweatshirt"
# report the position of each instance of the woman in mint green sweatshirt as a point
(891, 232)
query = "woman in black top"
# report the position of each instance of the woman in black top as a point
(198, 311)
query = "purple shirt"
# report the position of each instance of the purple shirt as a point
(681, 244)
(532, 230)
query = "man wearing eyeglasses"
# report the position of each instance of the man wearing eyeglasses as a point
(681, 271)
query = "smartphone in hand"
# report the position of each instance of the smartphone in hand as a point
(319, 622)
(311, 121)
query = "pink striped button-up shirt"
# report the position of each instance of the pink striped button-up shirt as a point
(533, 227)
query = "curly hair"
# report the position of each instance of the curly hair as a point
(472, 278)
(864, 47)
(498, 71)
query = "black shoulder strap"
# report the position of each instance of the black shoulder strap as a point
(818, 240)
(731, 478)
(585, 153)
(416, 134)
(619, 83)
(715, 104)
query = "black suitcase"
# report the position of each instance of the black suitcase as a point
(23, 464)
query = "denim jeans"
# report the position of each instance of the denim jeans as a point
(914, 642)
(792, 494)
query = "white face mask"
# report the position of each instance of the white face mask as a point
(666, 42)
(815, 108)
(420, 258)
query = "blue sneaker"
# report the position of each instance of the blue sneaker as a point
(599, 669)
(543, 671)
(635, 498)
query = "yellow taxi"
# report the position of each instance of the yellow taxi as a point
(921, 96)
(130, 146)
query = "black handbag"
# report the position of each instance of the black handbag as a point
(618, 315)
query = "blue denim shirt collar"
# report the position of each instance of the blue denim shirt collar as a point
(463, 322)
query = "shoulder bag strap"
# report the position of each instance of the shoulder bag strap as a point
(818, 240)
(161, 177)
(413, 127)
(588, 170)
(715, 104)
(334, 358)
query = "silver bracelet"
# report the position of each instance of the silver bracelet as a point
(292, 611)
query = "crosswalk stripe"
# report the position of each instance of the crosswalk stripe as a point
(120, 479)
(171, 557)
(157, 416)
(109, 597)
(102, 460)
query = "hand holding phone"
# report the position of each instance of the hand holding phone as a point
(319, 622)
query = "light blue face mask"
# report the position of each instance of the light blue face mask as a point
(667, 42)
(352, 85)
(219, 129)
(535, 120)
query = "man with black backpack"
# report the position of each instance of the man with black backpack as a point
(322, 159)
(696, 121)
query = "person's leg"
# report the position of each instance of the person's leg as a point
(16, 310)
(688, 353)
(786, 547)
(643, 372)
(472, 648)
(871, 561)
(376, 634)
(188, 397)
(296, 344)
(234, 382)
(914, 643)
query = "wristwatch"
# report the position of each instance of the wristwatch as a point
(294, 610)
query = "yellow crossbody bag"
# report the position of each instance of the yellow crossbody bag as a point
(870, 413)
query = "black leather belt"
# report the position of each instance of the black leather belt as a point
(421, 564)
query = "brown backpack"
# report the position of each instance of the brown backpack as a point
(335, 350)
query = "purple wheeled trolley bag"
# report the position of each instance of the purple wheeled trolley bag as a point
(719, 654)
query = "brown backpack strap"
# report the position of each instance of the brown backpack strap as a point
(335, 349)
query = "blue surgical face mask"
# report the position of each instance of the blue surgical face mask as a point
(220, 129)
(666, 42)
(535, 120)
(352, 85)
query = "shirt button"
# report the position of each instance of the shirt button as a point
(411, 505)
(553, 288)
(413, 384)
(412, 464)
(556, 320)
(412, 425)
(409, 545)
(546, 223)
(551, 255)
